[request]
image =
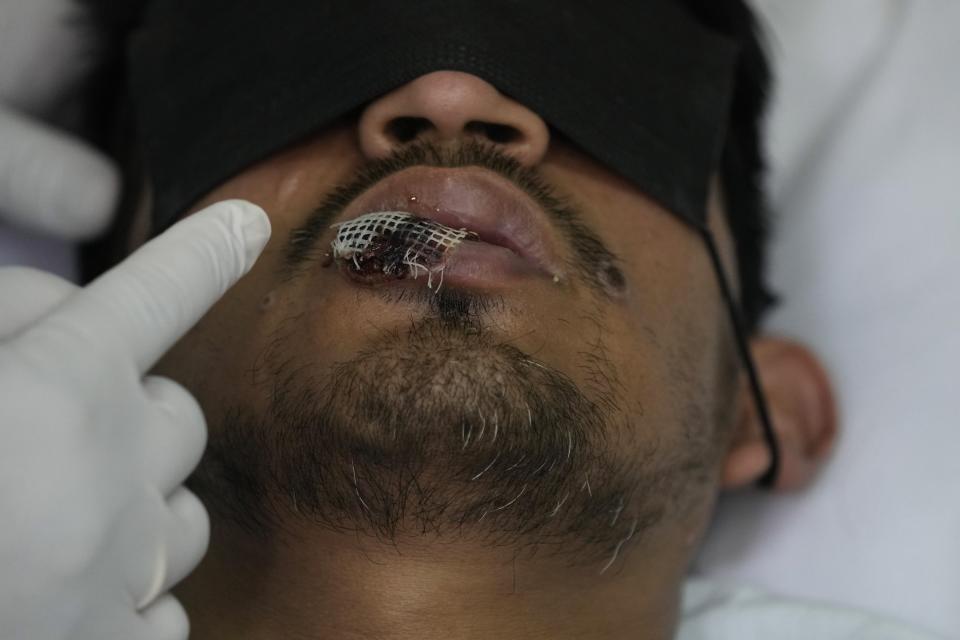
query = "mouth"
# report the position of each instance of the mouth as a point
(492, 234)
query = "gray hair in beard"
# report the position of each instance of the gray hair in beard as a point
(442, 431)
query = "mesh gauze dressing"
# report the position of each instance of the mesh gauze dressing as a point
(396, 244)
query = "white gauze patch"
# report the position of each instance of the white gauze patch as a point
(396, 244)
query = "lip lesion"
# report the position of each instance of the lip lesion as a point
(473, 198)
(512, 208)
(384, 246)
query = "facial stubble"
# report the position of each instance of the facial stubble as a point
(444, 430)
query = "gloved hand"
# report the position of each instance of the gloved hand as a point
(49, 180)
(94, 522)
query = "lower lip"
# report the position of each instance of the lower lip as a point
(472, 264)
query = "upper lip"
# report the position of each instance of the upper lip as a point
(470, 198)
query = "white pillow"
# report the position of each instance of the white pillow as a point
(865, 145)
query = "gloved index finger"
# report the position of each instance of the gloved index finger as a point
(145, 304)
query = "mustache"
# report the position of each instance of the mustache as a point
(592, 260)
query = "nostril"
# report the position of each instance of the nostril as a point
(407, 128)
(496, 133)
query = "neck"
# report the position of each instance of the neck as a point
(310, 584)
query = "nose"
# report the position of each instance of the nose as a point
(449, 105)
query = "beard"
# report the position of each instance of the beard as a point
(445, 429)
(442, 430)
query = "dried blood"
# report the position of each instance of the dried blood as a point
(389, 256)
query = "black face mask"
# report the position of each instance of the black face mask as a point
(640, 85)
(220, 84)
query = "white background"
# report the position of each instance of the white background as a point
(865, 144)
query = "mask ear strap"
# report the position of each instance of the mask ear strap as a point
(770, 476)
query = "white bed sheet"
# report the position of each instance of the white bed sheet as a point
(865, 145)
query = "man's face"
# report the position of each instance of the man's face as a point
(571, 405)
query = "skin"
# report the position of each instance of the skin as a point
(665, 339)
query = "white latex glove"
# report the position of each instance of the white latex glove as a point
(94, 522)
(49, 180)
